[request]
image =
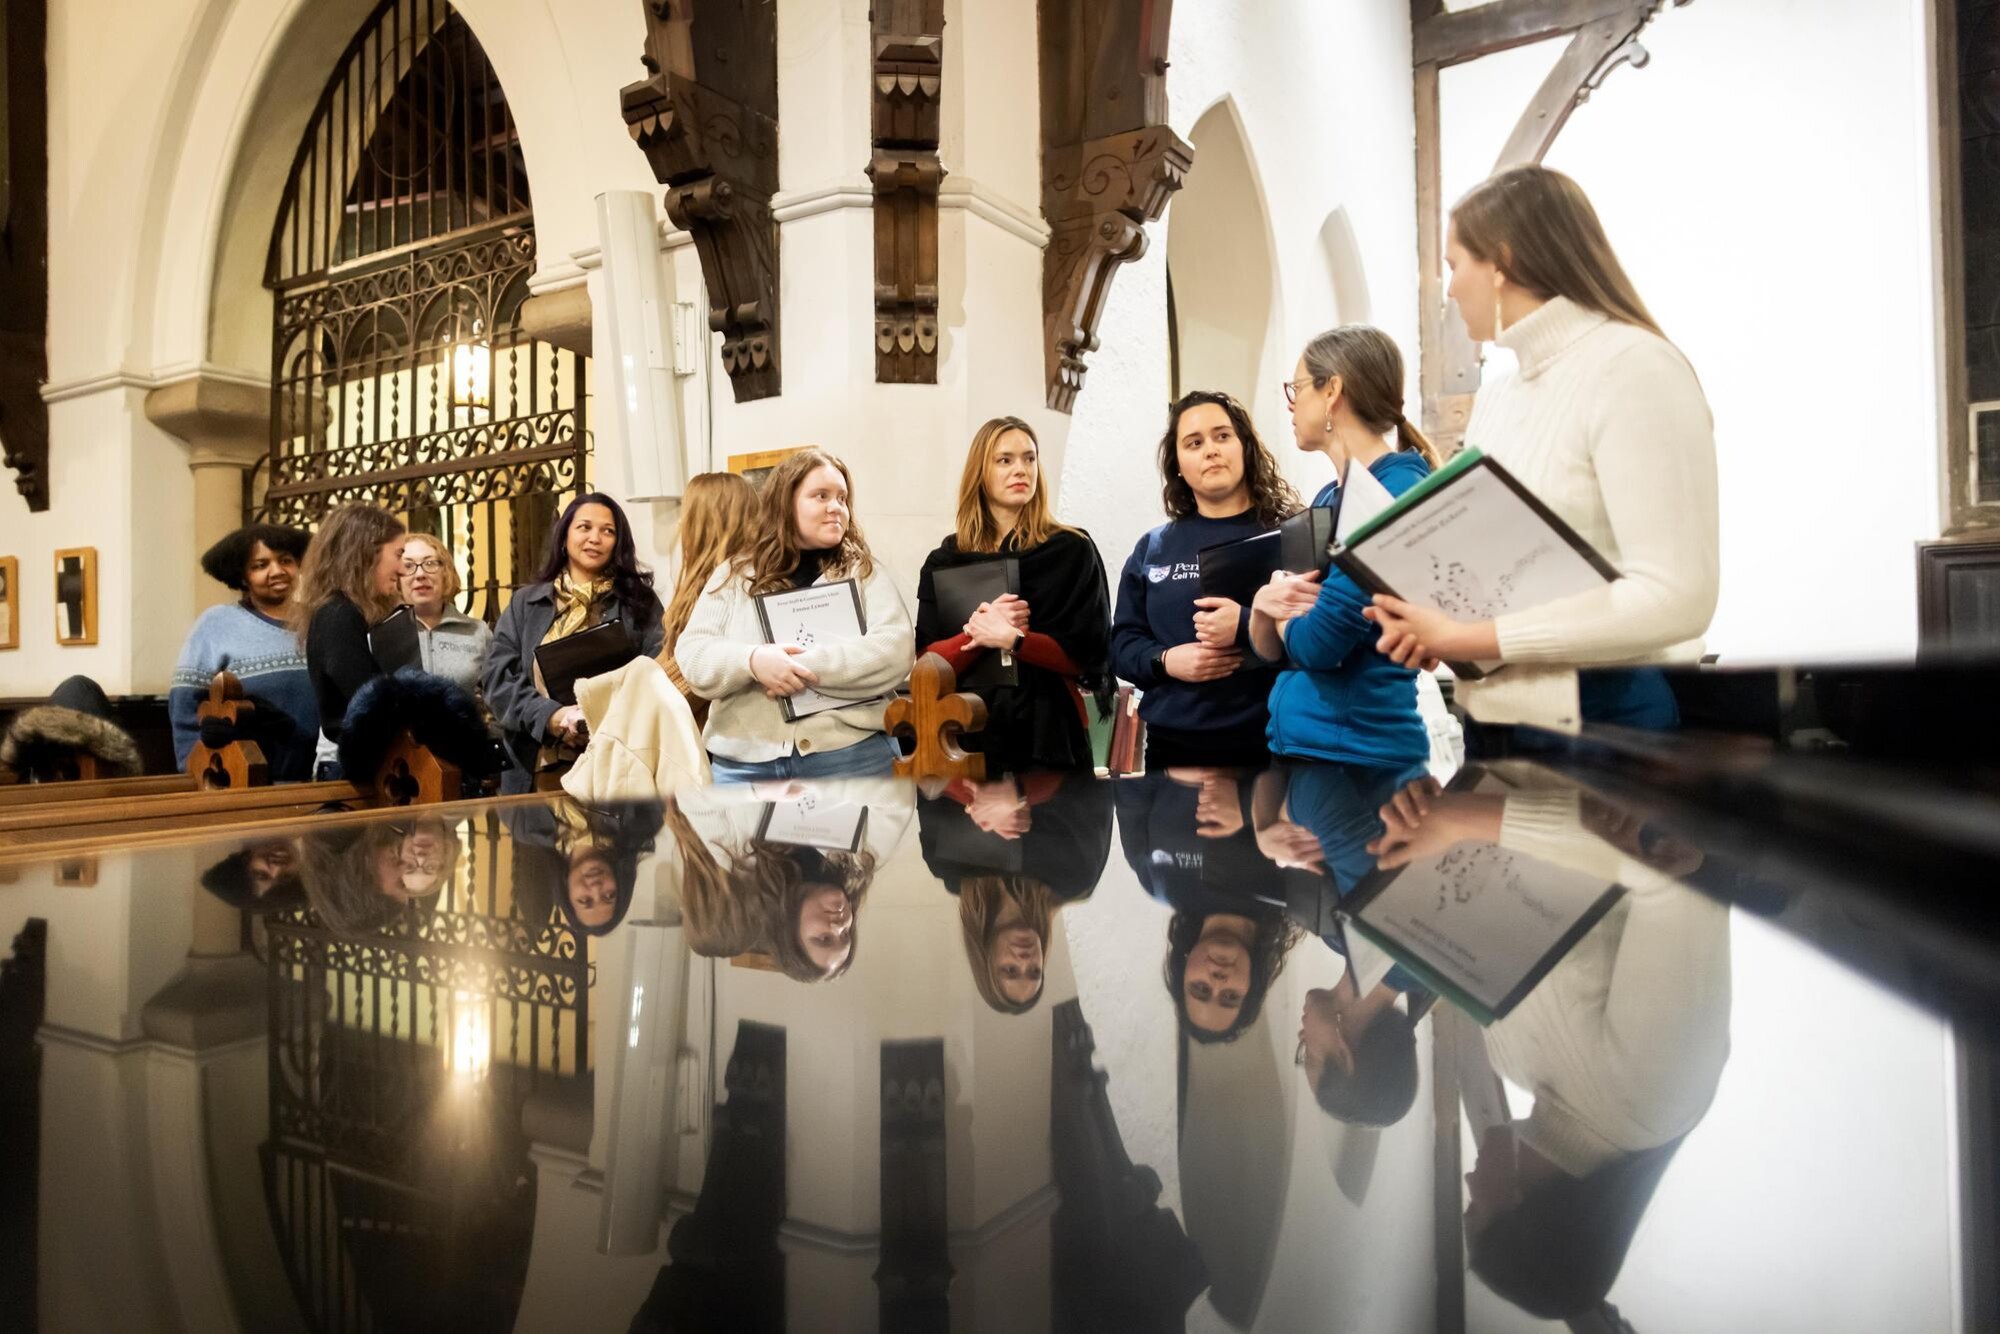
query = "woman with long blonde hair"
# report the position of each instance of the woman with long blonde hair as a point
(348, 582)
(718, 513)
(1053, 636)
(806, 534)
(1605, 422)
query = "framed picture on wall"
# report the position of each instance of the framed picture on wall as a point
(76, 595)
(756, 467)
(10, 602)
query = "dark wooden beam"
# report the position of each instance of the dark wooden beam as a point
(908, 56)
(707, 119)
(24, 246)
(1467, 34)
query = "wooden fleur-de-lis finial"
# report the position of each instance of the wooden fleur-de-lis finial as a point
(236, 763)
(937, 714)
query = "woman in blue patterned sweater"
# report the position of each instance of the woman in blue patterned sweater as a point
(250, 638)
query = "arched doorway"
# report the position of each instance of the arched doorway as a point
(1221, 267)
(398, 263)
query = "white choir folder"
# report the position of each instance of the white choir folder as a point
(1471, 541)
(809, 616)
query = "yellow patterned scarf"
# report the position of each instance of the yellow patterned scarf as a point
(576, 609)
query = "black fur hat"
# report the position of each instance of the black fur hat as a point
(441, 715)
(43, 742)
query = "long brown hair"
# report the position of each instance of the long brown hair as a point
(1538, 228)
(774, 551)
(1370, 368)
(981, 900)
(341, 560)
(1271, 496)
(977, 530)
(717, 514)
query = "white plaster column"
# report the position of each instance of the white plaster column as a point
(227, 427)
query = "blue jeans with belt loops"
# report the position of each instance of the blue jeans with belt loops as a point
(868, 758)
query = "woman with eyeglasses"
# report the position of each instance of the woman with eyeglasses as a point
(453, 643)
(1205, 691)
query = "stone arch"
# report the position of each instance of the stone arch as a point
(1223, 264)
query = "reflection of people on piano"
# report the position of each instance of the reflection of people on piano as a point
(1185, 836)
(1621, 1045)
(1358, 1049)
(263, 877)
(1013, 851)
(798, 904)
(360, 880)
(581, 860)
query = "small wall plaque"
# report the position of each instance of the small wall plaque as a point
(76, 595)
(754, 468)
(10, 602)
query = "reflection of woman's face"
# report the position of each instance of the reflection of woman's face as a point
(1218, 972)
(826, 927)
(593, 890)
(413, 866)
(1322, 1034)
(267, 862)
(1015, 956)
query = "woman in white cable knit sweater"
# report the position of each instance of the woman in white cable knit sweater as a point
(1606, 422)
(805, 534)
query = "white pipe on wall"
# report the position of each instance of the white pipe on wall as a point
(638, 360)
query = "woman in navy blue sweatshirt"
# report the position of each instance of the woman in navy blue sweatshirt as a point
(1339, 699)
(1205, 691)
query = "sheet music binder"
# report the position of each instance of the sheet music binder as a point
(809, 615)
(563, 662)
(393, 642)
(1237, 569)
(1474, 543)
(960, 590)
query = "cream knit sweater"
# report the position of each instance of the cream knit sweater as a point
(745, 725)
(1607, 423)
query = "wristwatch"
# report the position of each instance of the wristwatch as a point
(1160, 665)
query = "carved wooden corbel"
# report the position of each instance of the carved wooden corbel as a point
(1109, 164)
(908, 74)
(707, 120)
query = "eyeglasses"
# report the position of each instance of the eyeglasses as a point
(430, 566)
(1291, 388)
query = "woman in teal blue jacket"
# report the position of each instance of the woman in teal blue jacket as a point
(1339, 699)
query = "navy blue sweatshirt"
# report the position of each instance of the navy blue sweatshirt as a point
(1156, 594)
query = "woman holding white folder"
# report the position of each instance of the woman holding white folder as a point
(1606, 422)
(805, 536)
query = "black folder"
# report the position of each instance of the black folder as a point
(393, 643)
(593, 652)
(1236, 570)
(960, 590)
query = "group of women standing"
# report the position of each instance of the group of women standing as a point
(1604, 420)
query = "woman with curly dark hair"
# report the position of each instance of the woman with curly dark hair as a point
(1205, 691)
(591, 575)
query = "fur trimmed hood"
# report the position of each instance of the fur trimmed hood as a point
(442, 715)
(40, 739)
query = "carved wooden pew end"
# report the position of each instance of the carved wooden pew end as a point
(410, 775)
(225, 757)
(936, 714)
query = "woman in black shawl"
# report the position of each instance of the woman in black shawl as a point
(1056, 631)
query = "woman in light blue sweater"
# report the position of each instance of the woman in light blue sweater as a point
(250, 638)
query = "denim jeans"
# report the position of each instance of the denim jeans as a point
(868, 758)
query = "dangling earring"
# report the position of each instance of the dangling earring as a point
(1499, 310)
(1329, 425)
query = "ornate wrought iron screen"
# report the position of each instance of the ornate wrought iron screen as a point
(400, 260)
(396, 1175)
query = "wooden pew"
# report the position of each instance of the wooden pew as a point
(237, 765)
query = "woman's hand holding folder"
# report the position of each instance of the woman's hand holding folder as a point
(1422, 637)
(774, 669)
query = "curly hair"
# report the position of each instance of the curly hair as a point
(774, 554)
(228, 561)
(1271, 496)
(1276, 934)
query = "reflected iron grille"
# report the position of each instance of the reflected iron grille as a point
(400, 1063)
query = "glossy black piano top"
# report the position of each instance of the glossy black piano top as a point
(1589, 1035)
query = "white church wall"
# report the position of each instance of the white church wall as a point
(1322, 94)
